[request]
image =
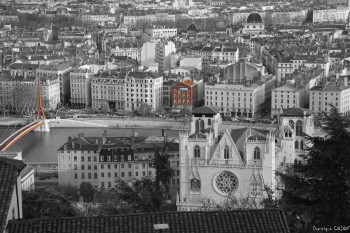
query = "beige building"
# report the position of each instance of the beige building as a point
(161, 33)
(108, 91)
(235, 99)
(80, 87)
(321, 97)
(143, 87)
(131, 52)
(61, 72)
(103, 161)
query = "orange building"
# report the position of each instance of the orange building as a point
(185, 95)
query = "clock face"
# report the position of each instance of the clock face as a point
(225, 182)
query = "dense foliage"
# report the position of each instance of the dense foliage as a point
(317, 193)
(43, 204)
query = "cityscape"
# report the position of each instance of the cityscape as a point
(174, 116)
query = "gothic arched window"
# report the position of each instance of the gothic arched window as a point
(197, 152)
(256, 153)
(299, 128)
(226, 152)
(291, 124)
(301, 145)
(296, 144)
(201, 126)
(197, 126)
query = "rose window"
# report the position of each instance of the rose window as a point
(226, 182)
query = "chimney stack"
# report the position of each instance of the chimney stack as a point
(104, 137)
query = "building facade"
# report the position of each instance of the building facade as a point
(80, 87)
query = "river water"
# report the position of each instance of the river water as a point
(41, 147)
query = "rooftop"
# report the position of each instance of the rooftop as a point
(244, 221)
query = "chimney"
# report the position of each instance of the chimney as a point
(73, 144)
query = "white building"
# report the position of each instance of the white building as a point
(161, 33)
(158, 52)
(143, 87)
(214, 165)
(191, 61)
(131, 52)
(80, 87)
(234, 99)
(321, 97)
(104, 160)
(108, 91)
(254, 24)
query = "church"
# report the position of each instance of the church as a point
(217, 162)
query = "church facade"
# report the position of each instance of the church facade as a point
(217, 163)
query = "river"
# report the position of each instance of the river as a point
(41, 147)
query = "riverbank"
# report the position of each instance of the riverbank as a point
(12, 121)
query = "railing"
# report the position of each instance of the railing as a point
(226, 163)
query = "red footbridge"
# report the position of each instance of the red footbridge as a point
(40, 124)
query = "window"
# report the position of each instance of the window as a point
(226, 152)
(291, 124)
(75, 158)
(209, 121)
(102, 174)
(101, 158)
(299, 128)
(122, 174)
(82, 158)
(197, 153)
(301, 145)
(115, 174)
(129, 165)
(296, 144)
(256, 153)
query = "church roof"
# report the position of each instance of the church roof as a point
(257, 137)
(205, 110)
(198, 135)
(244, 221)
(297, 112)
(254, 18)
(239, 135)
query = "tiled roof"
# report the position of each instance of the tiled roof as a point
(9, 169)
(297, 112)
(205, 110)
(239, 136)
(243, 221)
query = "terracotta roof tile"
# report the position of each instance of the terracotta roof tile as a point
(244, 221)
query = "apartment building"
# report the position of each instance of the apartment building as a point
(143, 87)
(128, 50)
(80, 87)
(161, 33)
(19, 89)
(60, 71)
(167, 99)
(235, 99)
(108, 91)
(185, 95)
(323, 96)
(295, 93)
(103, 161)
(214, 54)
(158, 52)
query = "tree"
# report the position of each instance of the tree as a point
(43, 204)
(86, 191)
(317, 192)
(70, 192)
(144, 109)
(164, 172)
(148, 194)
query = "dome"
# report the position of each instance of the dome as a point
(254, 18)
